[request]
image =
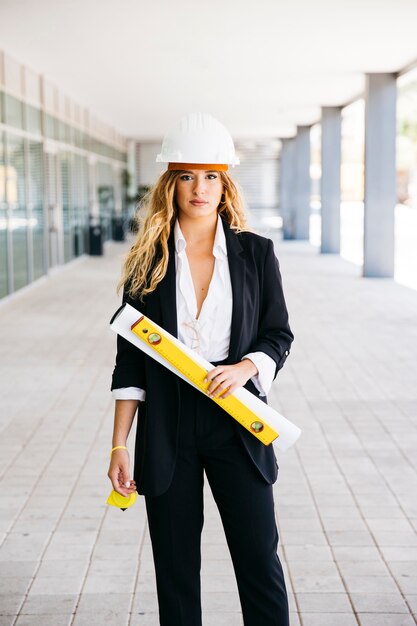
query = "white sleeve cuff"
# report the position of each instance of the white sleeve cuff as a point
(129, 393)
(266, 370)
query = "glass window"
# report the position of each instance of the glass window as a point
(124, 184)
(105, 194)
(65, 133)
(3, 222)
(67, 214)
(78, 138)
(13, 114)
(62, 131)
(80, 197)
(15, 194)
(54, 209)
(93, 145)
(51, 129)
(36, 198)
(33, 119)
(86, 141)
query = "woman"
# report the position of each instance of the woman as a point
(197, 271)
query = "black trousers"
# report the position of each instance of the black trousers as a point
(207, 442)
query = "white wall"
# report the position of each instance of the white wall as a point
(147, 171)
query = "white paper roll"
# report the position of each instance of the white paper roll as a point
(288, 432)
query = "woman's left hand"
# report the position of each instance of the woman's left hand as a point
(225, 379)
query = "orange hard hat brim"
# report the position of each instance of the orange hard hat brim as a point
(221, 167)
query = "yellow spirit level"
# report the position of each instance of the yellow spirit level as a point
(260, 419)
(160, 341)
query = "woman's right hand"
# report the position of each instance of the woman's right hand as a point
(119, 473)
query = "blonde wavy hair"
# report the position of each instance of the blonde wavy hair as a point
(147, 261)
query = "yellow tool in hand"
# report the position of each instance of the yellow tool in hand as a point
(261, 420)
(122, 502)
(191, 369)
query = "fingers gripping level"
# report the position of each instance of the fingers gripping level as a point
(193, 371)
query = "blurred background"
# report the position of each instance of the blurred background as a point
(321, 99)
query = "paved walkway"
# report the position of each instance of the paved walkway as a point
(346, 497)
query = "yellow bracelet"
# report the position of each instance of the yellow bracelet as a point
(118, 448)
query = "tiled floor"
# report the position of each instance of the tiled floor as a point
(346, 496)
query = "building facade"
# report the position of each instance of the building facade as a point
(61, 171)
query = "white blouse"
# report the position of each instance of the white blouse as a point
(209, 335)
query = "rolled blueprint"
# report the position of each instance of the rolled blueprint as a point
(259, 418)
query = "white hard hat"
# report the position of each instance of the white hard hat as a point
(198, 139)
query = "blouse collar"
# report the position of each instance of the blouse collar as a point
(219, 245)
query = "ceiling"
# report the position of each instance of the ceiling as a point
(260, 67)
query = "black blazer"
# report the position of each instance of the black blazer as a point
(259, 323)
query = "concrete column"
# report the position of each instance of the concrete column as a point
(302, 183)
(131, 168)
(380, 176)
(287, 187)
(331, 130)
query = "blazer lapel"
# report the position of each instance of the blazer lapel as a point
(237, 268)
(162, 303)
